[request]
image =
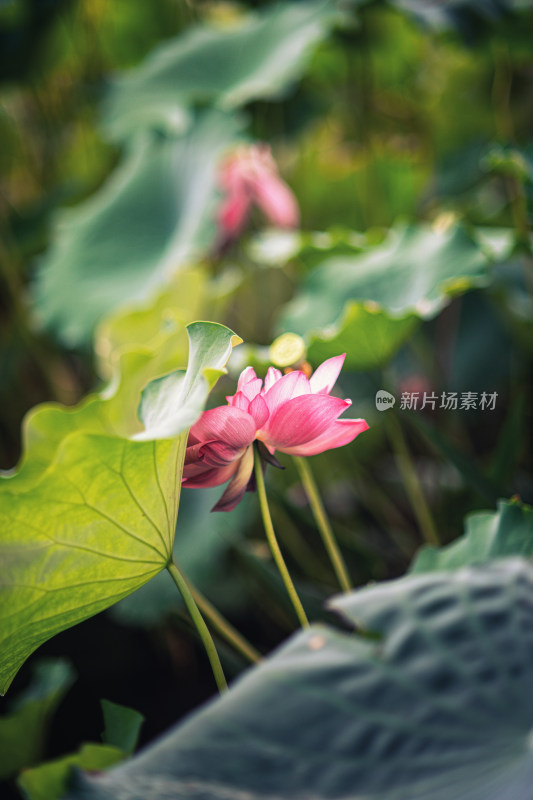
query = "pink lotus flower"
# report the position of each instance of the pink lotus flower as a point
(289, 413)
(250, 176)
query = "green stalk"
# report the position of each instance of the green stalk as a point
(322, 522)
(224, 628)
(273, 542)
(410, 479)
(200, 625)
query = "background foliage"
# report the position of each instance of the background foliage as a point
(404, 130)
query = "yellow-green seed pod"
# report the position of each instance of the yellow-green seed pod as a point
(287, 350)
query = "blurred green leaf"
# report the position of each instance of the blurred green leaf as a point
(156, 324)
(260, 56)
(497, 242)
(367, 334)
(415, 271)
(49, 781)
(367, 304)
(22, 731)
(459, 171)
(465, 16)
(509, 161)
(489, 535)
(122, 726)
(99, 522)
(154, 214)
(437, 701)
(274, 247)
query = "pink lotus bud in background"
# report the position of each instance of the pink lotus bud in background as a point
(248, 177)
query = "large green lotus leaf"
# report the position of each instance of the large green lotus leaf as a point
(113, 410)
(155, 212)
(98, 525)
(135, 345)
(372, 300)
(489, 535)
(23, 729)
(99, 521)
(437, 704)
(114, 414)
(258, 57)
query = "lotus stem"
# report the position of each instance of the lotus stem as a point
(224, 628)
(201, 627)
(322, 522)
(273, 542)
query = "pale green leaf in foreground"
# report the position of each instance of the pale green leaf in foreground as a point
(169, 404)
(258, 57)
(99, 522)
(437, 705)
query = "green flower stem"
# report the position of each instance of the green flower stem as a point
(410, 479)
(273, 542)
(200, 625)
(224, 628)
(322, 522)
